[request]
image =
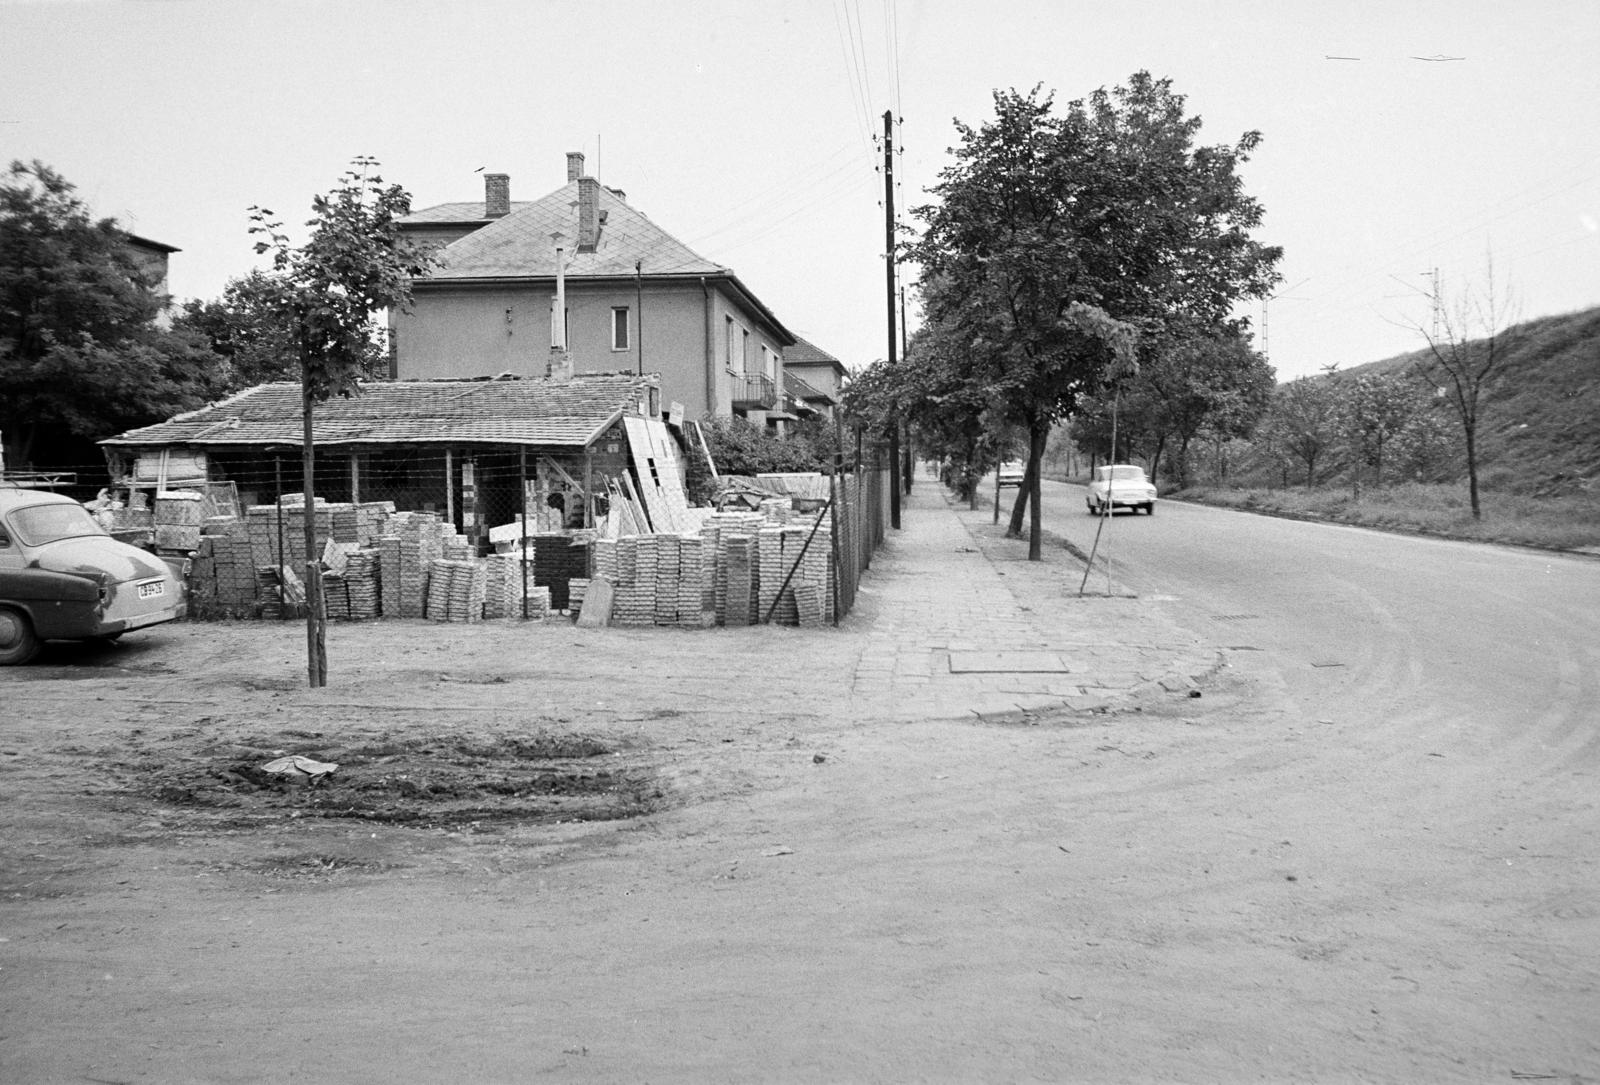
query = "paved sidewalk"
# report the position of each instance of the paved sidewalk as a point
(956, 622)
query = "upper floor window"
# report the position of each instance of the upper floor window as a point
(619, 327)
(728, 355)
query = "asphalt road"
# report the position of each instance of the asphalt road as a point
(1447, 637)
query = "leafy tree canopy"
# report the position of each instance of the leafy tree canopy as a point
(246, 327)
(80, 351)
(355, 263)
(1063, 245)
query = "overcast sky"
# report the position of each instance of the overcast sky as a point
(746, 128)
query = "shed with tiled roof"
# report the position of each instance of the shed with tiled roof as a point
(442, 444)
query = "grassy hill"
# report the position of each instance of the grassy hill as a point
(1541, 413)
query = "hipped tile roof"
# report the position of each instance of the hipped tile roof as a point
(514, 411)
(519, 245)
(805, 352)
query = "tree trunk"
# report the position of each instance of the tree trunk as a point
(1038, 437)
(1019, 507)
(316, 615)
(1471, 430)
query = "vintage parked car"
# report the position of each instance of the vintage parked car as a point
(1011, 473)
(62, 577)
(1120, 486)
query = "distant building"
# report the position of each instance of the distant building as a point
(635, 299)
(819, 370)
(151, 256)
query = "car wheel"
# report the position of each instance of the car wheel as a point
(1090, 506)
(18, 643)
(1149, 508)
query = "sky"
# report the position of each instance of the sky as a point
(752, 129)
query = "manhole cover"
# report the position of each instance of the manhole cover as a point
(1007, 663)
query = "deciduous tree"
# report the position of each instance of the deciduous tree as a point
(1059, 242)
(355, 264)
(81, 353)
(1476, 333)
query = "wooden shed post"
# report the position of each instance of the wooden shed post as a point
(355, 478)
(588, 487)
(449, 488)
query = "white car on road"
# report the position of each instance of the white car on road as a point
(1120, 486)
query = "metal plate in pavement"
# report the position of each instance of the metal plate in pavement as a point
(1016, 662)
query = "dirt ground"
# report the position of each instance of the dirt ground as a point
(631, 855)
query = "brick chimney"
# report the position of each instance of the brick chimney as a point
(496, 195)
(588, 214)
(574, 165)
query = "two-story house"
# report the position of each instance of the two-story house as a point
(581, 277)
(821, 375)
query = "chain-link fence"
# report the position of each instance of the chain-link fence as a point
(520, 529)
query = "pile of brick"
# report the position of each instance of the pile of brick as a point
(456, 590)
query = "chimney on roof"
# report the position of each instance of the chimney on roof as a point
(588, 214)
(574, 165)
(496, 195)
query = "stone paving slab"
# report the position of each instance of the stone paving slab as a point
(959, 624)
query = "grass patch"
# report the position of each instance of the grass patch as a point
(1568, 522)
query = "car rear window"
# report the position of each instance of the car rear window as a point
(1120, 474)
(37, 525)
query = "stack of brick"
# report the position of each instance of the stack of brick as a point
(769, 570)
(408, 559)
(502, 586)
(777, 509)
(737, 588)
(667, 579)
(178, 516)
(456, 590)
(577, 590)
(354, 593)
(627, 602)
(537, 604)
(223, 576)
(691, 580)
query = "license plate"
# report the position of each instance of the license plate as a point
(152, 589)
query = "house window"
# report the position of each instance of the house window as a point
(727, 350)
(744, 351)
(619, 327)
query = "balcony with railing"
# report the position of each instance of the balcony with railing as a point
(754, 391)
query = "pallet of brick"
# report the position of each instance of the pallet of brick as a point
(808, 603)
(577, 592)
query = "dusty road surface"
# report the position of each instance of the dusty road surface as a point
(626, 855)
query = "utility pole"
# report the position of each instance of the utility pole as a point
(888, 271)
(1438, 302)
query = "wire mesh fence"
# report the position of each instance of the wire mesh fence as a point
(481, 534)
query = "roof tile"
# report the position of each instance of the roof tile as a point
(569, 413)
